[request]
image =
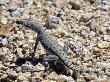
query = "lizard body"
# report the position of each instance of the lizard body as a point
(49, 43)
(52, 47)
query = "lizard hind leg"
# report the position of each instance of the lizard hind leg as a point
(62, 69)
(47, 59)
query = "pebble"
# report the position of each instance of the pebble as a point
(39, 67)
(57, 4)
(16, 13)
(2, 2)
(86, 43)
(106, 38)
(103, 44)
(30, 2)
(105, 8)
(24, 76)
(59, 12)
(28, 67)
(35, 79)
(4, 42)
(92, 34)
(75, 5)
(52, 22)
(108, 30)
(84, 33)
(13, 37)
(11, 73)
(12, 8)
(104, 5)
(18, 69)
(104, 2)
(2, 67)
(78, 51)
(93, 25)
(4, 20)
(4, 76)
(63, 78)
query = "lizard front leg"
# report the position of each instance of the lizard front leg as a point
(35, 47)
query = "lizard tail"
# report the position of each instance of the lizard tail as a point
(79, 69)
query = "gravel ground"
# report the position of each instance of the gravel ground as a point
(84, 24)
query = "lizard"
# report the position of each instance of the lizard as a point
(51, 46)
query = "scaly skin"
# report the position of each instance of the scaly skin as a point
(51, 45)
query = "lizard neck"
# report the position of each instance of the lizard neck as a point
(39, 29)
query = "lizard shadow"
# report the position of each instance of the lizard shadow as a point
(33, 60)
(56, 66)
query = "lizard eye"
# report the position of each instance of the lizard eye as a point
(29, 25)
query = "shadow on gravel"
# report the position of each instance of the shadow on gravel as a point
(33, 60)
(56, 66)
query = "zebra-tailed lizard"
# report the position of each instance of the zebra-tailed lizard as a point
(52, 47)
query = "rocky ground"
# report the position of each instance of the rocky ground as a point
(85, 24)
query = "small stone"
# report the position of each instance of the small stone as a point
(93, 25)
(92, 34)
(11, 73)
(84, 33)
(19, 52)
(52, 76)
(91, 77)
(4, 41)
(35, 79)
(39, 67)
(28, 67)
(16, 13)
(24, 76)
(2, 67)
(59, 12)
(52, 22)
(21, 34)
(4, 76)
(105, 8)
(108, 30)
(12, 65)
(2, 2)
(30, 2)
(14, 37)
(4, 20)
(103, 44)
(106, 38)
(25, 46)
(75, 5)
(18, 69)
(104, 2)
(63, 78)
(86, 43)
(108, 73)
(12, 8)
(58, 5)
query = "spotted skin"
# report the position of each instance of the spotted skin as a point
(51, 45)
(49, 42)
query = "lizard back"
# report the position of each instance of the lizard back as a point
(49, 43)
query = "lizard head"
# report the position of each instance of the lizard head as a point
(33, 25)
